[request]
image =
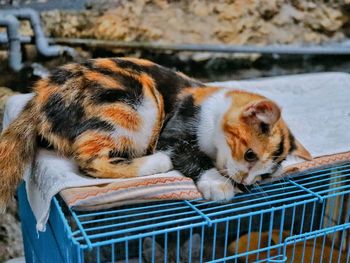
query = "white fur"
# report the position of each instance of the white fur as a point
(211, 137)
(156, 163)
(215, 187)
(210, 118)
(148, 112)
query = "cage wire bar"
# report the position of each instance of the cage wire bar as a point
(303, 218)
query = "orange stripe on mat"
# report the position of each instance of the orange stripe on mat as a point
(126, 185)
(319, 161)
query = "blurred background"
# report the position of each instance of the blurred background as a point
(209, 40)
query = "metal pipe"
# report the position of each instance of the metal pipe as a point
(15, 54)
(41, 42)
(24, 39)
(330, 49)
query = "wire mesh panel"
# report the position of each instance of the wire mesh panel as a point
(304, 218)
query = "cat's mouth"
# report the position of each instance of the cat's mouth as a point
(241, 178)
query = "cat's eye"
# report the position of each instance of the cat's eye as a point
(250, 156)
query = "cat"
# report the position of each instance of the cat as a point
(126, 117)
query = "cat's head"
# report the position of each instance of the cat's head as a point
(255, 139)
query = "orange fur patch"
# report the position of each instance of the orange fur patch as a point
(123, 115)
(199, 94)
(125, 144)
(151, 91)
(102, 79)
(242, 98)
(93, 143)
(102, 168)
(106, 63)
(237, 140)
(111, 65)
(146, 81)
(142, 62)
(44, 90)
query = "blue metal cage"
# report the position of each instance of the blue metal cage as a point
(303, 218)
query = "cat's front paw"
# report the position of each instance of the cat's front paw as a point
(215, 187)
(156, 163)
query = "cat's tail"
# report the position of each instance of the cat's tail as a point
(17, 149)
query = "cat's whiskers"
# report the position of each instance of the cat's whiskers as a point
(246, 188)
(223, 170)
(281, 179)
(284, 181)
(260, 189)
(228, 179)
(286, 178)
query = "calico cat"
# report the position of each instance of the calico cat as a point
(108, 115)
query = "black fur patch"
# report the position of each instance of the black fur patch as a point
(179, 137)
(293, 146)
(169, 84)
(109, 95)
(116, 154)
(121, 161)
(265, 128)
(43, 143)
(60, 75)
(189, 159)
(88, 171)
(276, 154)
(182, 124)
(69, 121)
(131, 91)
(130, 65)
(92, 124)
(166, 142)
(187, 109)
(243, 188)
(265, 176)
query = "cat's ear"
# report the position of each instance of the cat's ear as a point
(147, 246)
(263, 113)
(301, 152)
(195, 248)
